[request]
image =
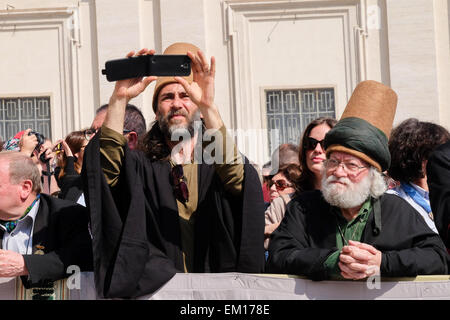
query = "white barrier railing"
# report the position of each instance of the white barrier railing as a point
(240, 286)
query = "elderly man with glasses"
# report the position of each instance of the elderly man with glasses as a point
(351, 229)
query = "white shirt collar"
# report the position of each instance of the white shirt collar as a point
(31, 215)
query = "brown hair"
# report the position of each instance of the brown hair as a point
(75, 140)
(292, 173)
(306, 179)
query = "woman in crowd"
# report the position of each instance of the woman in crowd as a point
(283, 183)
(411, 143)
(70, 161)
(311, 156)
(283, 186)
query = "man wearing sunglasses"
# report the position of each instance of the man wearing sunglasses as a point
(155, 212)
(351, 229)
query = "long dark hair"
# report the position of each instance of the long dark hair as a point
(306, 179)
(154, 144)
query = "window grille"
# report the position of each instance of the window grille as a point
(17, 114)
(290, 111)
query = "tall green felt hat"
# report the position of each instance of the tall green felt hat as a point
(365, 125)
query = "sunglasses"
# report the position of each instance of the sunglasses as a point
(179, 183)
(311, 143)
(280, 184)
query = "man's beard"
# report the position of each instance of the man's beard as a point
(349, 195)
(179, 128)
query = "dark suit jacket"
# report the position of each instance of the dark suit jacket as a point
(438, 179)
(61, 231)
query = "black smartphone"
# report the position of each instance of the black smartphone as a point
(147, 65)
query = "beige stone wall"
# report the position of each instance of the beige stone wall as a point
(257, 44)
(418, 54)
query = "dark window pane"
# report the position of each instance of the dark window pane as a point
(12, 109)
(293, 128)
(290, 101)
(290, 111)
(308, 101)
(273, 102)
(28, 109)
(17, 114)
(43, 108)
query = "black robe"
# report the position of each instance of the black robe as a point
(438, 179)
(136, 232)
(70, 184)
(307, 236)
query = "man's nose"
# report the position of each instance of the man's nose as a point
(177, 102)
(340, 171)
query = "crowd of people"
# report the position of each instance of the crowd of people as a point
(354, 198)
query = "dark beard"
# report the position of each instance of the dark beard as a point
(169, 130)
(154, 143)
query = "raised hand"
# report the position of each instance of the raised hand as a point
(65, 147)
(28, 143)
(129, 88)
(125, 90)
(202, 89)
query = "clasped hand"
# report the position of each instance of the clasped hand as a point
(359, 260)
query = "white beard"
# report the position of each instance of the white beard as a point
(350, 195)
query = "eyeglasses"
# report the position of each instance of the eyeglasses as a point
(89, 133)
(280, 184)
(311, 143)
(126, 131)
(349, 167)
(179, 183)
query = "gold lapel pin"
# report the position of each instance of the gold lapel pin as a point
(40, 249)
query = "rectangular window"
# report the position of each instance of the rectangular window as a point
(290, 111)
(17, 114)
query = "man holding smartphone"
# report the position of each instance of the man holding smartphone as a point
(160, 210)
